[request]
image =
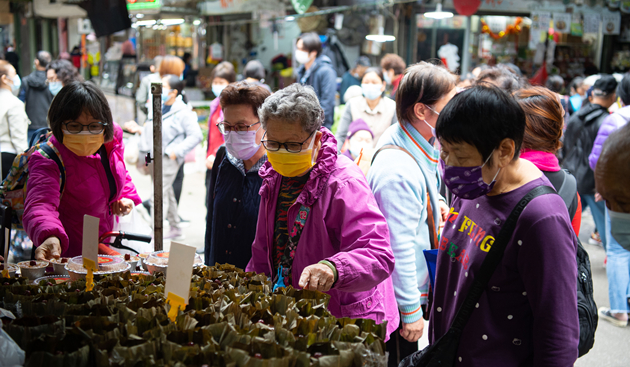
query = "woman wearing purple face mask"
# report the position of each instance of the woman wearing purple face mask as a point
(527, 314)
(233, 199)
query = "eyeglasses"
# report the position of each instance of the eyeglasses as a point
(241, 129)
(95, 128)
(291, 147)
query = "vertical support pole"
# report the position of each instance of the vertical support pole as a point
(465, 66)
(158, 230)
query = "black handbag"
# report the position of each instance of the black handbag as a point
(443, 352)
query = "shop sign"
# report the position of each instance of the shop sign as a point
(591, 23)
(141, 5)
(237, 6)
(85, 26)
(576, 25)
(611, 23)
(562, 22)
(541, 20)
(496, 23)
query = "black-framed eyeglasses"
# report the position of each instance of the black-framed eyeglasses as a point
(74, 127)
(241, 129)
(291, 147)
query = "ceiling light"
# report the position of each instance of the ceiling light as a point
(380, 38)
(196, 22)
(438, 13)
(172, 21)
(145, 23)
(139, 16)
(290, 18)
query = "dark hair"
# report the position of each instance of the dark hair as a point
(66, 72)
(422, 83)
(576, 83)
(176, 83)
(500, 77)
(44, 58)
(623, 89)
(172, 65)
(224, 70)
(4, 68)
(544, 119)
(311, 42)
(555, 83)
(73, 100)
(255, 70)
(395, 62)
(375, 70)
(244, 93)
(482, 116)
(186, 56)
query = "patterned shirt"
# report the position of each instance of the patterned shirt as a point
(290, 189)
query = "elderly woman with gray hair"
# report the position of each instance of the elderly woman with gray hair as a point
(319, 226)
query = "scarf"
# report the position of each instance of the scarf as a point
(547, 162)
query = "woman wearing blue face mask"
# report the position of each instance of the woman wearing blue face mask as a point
(378, 111)
(13, 119)
(527, 313)
(61, 73)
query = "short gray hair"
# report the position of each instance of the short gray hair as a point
(294, 104)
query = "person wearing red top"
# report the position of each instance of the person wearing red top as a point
(543, 130)
(393, 69)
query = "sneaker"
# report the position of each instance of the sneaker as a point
(595, 240)
(184, 223)
(175, 234)
(604, 313)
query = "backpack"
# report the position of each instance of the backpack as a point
(13, 187)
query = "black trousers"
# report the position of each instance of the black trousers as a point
(7, 162)
(399, 348)
(178, 183)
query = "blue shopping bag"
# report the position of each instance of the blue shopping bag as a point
(431, 257)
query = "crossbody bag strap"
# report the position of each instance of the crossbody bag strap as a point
(493, 259)
(108, 171)
(433, 237)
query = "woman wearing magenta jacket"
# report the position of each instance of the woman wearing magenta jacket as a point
(82, 127)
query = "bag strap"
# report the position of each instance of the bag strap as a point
(493, 259)
(108, 171)
(568, 189)
(53, 155)
(433, 237)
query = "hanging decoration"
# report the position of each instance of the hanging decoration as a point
(510, 29)
(466, 7)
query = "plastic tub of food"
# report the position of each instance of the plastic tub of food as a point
(10, 267)
(53, 279)
(132, 260)
(59, 265)
(143, 260)
(33, 269)
(158, 261)
(106, 265)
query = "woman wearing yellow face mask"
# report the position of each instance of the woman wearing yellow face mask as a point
(319, 226)
(95, 180)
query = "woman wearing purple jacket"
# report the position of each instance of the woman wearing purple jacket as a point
(319, 226)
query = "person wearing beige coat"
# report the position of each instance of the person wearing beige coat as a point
(13, 119)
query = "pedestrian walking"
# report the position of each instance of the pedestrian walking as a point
(255, 72)
(393, 69)
(61, 73)
(13, 119)
(143, 92)
(353, 77)
(36, 94)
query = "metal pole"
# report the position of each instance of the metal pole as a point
(158, 230)
(466, 51)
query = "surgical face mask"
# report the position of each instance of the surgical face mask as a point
(54, 87)
(165, 95)
(466, 182)
(217, 89)
(17, 83)
(356, 148)
(242, 145)
(84, 143)
(429, 125)
(302, 57)
(371, 91)
(620, 228)
(290, 164)
(388, 80)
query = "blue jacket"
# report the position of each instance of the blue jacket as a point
(323, 78)
(232, 218)
(400, 188)
(347, 81)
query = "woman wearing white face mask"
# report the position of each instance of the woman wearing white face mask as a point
(377, 111)
(180, 135)
(233, 198)
(13, 119)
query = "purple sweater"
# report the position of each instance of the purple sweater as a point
(611, 124)
(527, 315)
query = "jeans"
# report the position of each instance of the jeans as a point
(618, 272)
(597, 209)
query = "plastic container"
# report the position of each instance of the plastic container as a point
(158, 261)
(33, 269)
(10, 267)
(143, 260)
(59, 265)
(54, 279)
(106, 265)
(133, 261)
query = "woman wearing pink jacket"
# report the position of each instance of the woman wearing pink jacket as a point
(83, 131)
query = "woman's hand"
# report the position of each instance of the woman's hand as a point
(444, 210)
(49, 249)
(122, 207)
(210, 161)
(318, 277)
(132, 127)
(173, 156)
(412, 332)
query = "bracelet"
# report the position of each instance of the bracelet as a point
(332, 267)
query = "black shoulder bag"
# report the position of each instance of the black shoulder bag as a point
(443, 351)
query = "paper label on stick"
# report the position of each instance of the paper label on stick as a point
(180, 265)
(90, 242)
